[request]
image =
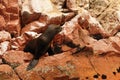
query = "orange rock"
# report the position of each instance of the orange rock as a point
(86, 21)
(69, 66)
(6, 72)
(103, 46)
(13, 27)
(16, 58)
(34, 26)
(48, 67)
(115, 42)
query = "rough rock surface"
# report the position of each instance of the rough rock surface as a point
(89, 24)
(107, 12)
(10, 20)
(69, 66)
(20, 42)
(7, 73)
(4, 36)
(19, 58)
(4, 46)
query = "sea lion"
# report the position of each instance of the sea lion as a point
(39, 46)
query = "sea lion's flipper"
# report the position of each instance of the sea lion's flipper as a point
(32, 64)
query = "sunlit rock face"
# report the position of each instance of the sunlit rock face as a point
(107, 12)
(31, 10)
(5, 38)
(73, 5)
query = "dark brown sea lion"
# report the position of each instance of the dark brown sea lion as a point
(39, 46)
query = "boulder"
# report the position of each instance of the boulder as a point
(16, 58)
(91, 24)
(34, 26)
(4, 46)
(31, 12)
(103, 46)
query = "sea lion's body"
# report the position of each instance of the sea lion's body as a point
(39, 46)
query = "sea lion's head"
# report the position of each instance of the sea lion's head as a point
(55, 28)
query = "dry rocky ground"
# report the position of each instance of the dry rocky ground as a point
(93, 24)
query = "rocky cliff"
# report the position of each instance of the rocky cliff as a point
(92, 24)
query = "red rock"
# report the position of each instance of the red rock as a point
(86, 21)
(2, 23)
(106, 46)
(70, 32)
(16, 58)
(13, 27)
(103, 46)
(12, 7)
(79, 33)
(48, 67)
(84, 38)
(70, 66)
(79, 28)
(106, 65)
(115, 42)
(83, 66)
(10, 11)
(7, 73)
